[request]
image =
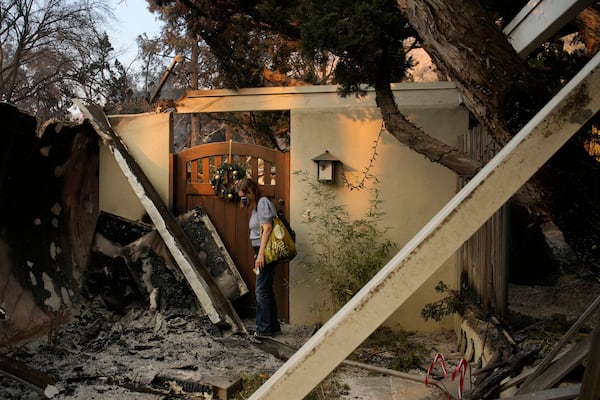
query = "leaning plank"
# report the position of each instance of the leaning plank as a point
(563, 393)
(555, 372)
(212, 301)
(539, 20)
(222, 267)
(517, 380)
(149, 253)
(590, 386)
(567, 336)
(426, 252)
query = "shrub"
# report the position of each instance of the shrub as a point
(346, 253)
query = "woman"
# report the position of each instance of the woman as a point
(263, 212)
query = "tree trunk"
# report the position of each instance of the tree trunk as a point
(471, 49)
(407, 133)
(461, 40)
(466, 44)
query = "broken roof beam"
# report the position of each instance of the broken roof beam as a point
(216, 306)
(407, 95)
(539, 20)
(426, 252)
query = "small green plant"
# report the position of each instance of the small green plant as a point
(448, 305)
(347, 252)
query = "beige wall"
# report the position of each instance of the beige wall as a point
(148, 138)
(413, 189)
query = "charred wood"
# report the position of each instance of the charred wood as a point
(130, 262)
(488, 386)
(48, 209)
(216, 306)
(33, 378)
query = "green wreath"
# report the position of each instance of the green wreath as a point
(224, 179)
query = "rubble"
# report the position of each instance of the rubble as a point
(103, 355)
(129, 260)
(214, 304)
(134, 334)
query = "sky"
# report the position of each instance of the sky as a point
(133, 19)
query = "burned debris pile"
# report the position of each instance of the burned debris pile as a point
(66, 262)
(129, 262)
(102, 354)
(113, 313)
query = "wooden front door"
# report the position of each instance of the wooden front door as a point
(192, 172)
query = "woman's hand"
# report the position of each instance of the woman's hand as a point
(260, 259)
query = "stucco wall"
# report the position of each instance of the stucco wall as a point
(413, 189)
(149, 139)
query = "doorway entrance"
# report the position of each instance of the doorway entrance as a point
(192, 172)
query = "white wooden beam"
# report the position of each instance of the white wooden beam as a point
(425, 253)
(216, 306)
(539, 20)
(408, 95)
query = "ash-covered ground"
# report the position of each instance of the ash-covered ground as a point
(104, 355)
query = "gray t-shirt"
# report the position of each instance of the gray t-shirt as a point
(263, 214)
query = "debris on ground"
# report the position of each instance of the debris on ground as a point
(104, 355)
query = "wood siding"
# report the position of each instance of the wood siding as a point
(482, 260)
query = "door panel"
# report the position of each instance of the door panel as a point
(192, 172)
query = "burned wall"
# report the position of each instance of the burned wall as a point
(48, 212)
(153, 269)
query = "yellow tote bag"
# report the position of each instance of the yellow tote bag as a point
(280, 246)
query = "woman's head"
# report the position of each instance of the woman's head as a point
(246, 187)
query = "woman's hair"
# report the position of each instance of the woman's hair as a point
(250, 189)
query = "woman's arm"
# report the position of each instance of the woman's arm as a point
(260, 258)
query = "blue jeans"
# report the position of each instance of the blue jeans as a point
(266, 307)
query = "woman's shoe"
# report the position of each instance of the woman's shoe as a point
(262, 336)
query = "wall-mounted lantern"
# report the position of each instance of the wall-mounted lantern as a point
(326, 164)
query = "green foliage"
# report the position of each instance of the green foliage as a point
(305, 40)
(366, 36)
(444, 307)
(346, 252)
